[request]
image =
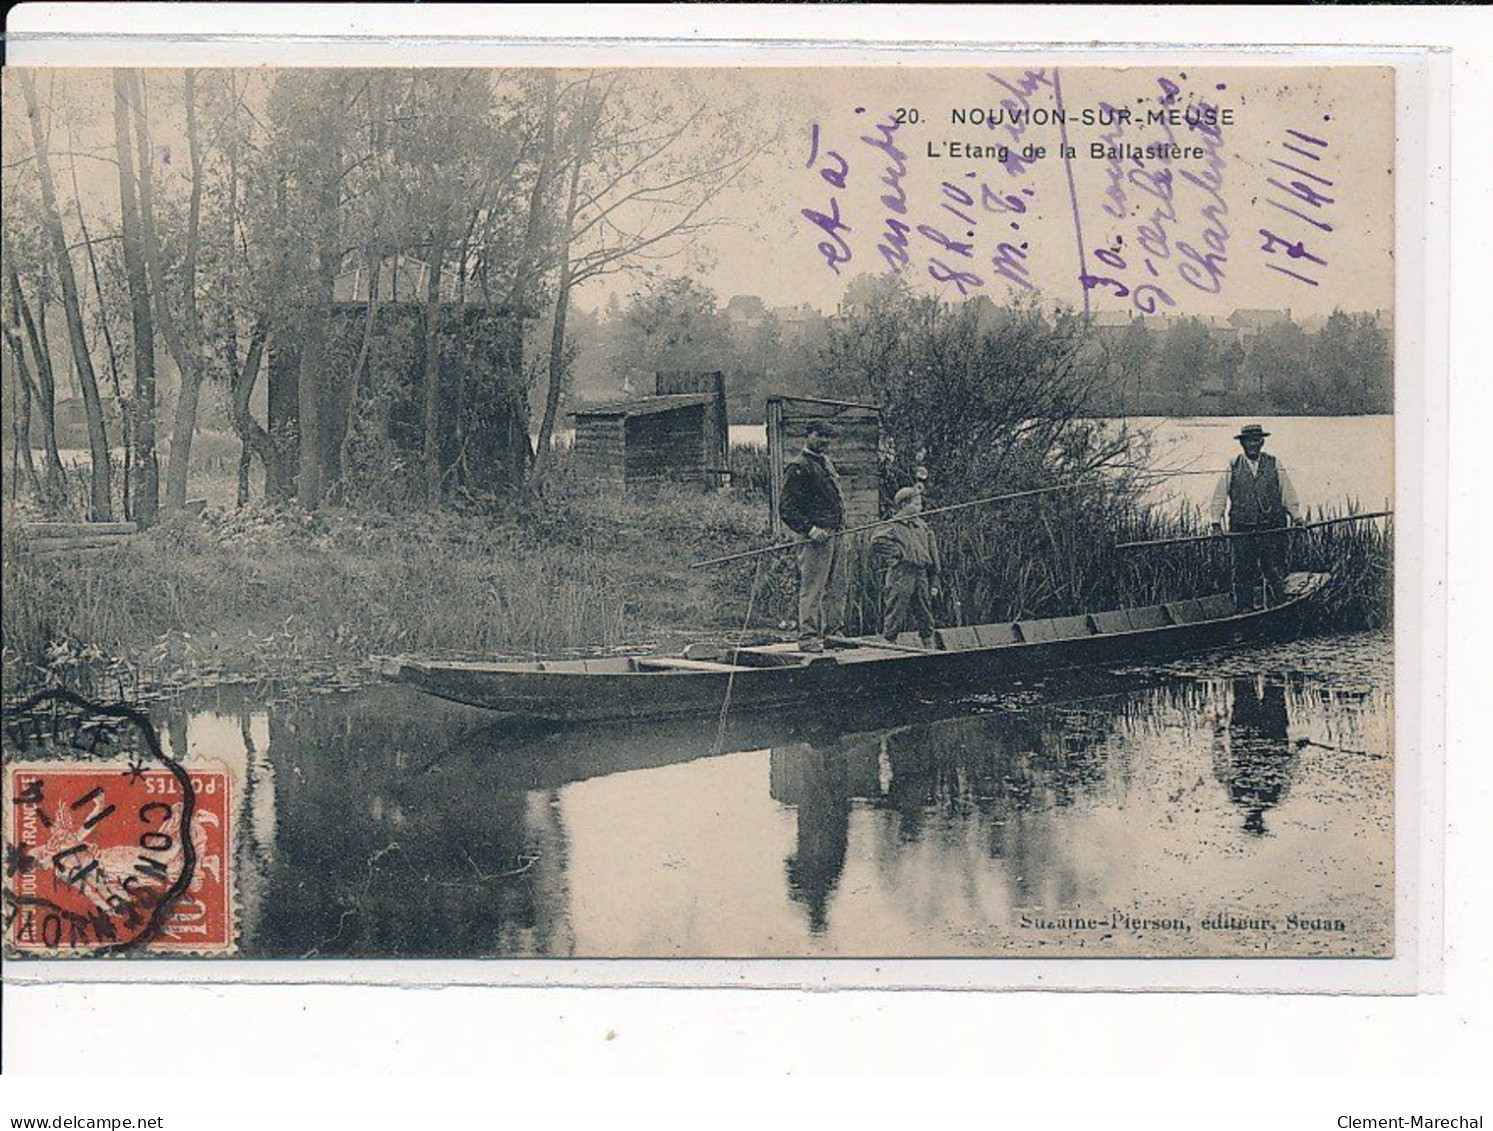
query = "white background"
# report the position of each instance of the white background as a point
(1307, 1059)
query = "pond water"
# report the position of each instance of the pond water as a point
(1237, 804)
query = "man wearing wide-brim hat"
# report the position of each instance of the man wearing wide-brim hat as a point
(1260, 499)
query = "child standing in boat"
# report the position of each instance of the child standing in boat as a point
(907, 549)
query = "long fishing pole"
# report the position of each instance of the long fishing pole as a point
(1254, 533)
(888, 521)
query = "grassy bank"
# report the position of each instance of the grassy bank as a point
(267, 593)
(270, 594)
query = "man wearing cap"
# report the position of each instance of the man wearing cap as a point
(812, 505)
(1259, 497)
(908, 551)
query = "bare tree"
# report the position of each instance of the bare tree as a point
(181, 330)
(46, 386)
(100, 495)
(147, 489)
(645, 165)
(23, 393)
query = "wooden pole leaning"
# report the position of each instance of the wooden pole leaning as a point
(780, 546)
(1254, 533)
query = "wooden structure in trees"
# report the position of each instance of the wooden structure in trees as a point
(856, 450)
(679, 435)
(484, 442)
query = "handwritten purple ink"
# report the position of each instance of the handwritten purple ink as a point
(894, 239)
(1302, 193)
(835, 248)
(1083, 265)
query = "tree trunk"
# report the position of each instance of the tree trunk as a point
(187, 347)
(100, 494)
(22, 395)
(534, 228)
(147, 478)
(46, 393)
(316, 314)
(251, 433)
(523, 276)
(308, 397)
(372, 260)
(182, 336)
(433, 375)
(562, 309)
(126, 437)
(556, 375)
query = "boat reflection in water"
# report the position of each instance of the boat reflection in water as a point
(385, 823)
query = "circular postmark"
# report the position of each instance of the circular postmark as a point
(101, 842)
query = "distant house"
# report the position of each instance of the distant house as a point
(745, 312)
(1109, 324)
(794, 322)
(797, 315)
(1251, 323)
(678, 435)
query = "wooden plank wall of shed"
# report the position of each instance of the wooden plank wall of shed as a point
(717, 432)
(665, 446)
(855, 451)
(598, 453)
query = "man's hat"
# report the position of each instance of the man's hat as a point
(1251, 432)
(823, 427)
(907, 494)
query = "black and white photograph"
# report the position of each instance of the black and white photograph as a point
(700, 512)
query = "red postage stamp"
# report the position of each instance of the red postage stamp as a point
(110, 856)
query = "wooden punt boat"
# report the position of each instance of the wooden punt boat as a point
(978, 657)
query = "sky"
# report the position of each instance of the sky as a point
(1278, 195)
(1295, 175)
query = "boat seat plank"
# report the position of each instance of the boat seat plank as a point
(1217, 606)
(1148, 617)
(996, 635)
(1116, 621)
(1037, 631)
(1199, 609)
(1068, 628)
(679, 663)
(958, 639)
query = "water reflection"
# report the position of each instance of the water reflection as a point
(817, 784)
(1252, 757)
(382, 823)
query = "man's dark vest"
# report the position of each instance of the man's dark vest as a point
(1254, 500)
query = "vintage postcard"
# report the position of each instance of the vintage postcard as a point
(774, 512)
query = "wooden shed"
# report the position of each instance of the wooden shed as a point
(483, 441)
(679, 435)
(856, 450)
